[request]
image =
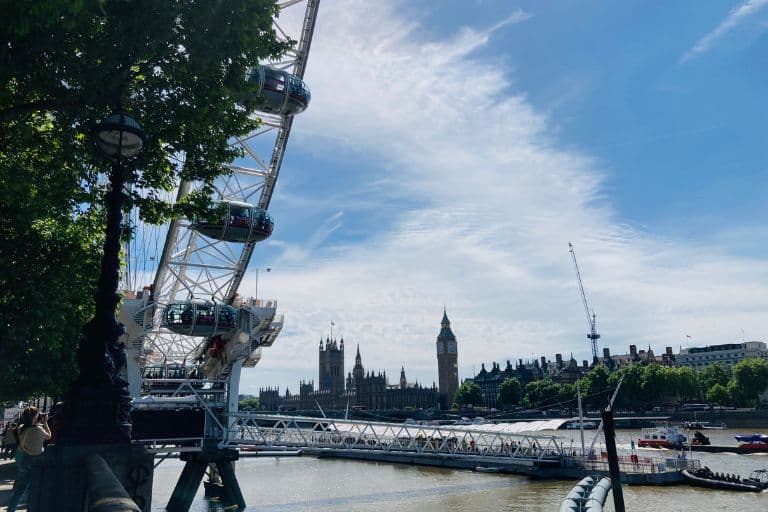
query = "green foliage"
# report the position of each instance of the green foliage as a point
(566, 396)
(715, 373)
(542, 394)
(718, 394)
(509, 393)
(654, 383)
(631, 394)
(595, 389)
(179, 68)
(469, 393)
(750, 378)
(248, 404)
(683, 383)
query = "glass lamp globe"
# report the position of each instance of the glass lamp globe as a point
(119, 135)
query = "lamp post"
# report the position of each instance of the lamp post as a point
(98, 407)
(256, 290)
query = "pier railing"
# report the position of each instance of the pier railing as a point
(628, 464)
(277, 431)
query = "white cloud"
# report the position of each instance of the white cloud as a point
(497, 203)
(736, 17)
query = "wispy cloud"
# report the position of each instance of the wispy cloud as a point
(736, 17)
(481, 202)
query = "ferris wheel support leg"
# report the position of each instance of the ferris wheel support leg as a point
(232, 493)
(186, 487)
(194, 470)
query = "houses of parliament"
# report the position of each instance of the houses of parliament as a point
(361, 389)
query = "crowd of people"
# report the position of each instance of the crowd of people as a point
(24, 440)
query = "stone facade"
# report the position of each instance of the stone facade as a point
(363, 390)
(729, 353)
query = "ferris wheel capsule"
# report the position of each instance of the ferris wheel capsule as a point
(199, 318)
(279, 91)
(243, 222)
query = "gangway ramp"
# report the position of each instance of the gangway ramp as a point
(458, 446)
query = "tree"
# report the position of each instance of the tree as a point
(250, 404)
(595, 389)
(630, 395)
(469, 393)
(566, 396)
(654, 383)
(750, 378)
(509, 393)
(718, 394)
(683, 383)
(715, 373)
(180, 68)
(542, 394)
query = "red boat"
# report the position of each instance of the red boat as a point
(753, 442)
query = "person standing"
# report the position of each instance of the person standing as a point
(32, 433)
(9, 440)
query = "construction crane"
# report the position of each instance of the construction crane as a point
(592, 335)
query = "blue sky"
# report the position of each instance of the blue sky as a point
(453, 149)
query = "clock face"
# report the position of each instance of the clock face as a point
(451, 346)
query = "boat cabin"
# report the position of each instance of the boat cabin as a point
(242, 223)
(661, 437)
(199, 318)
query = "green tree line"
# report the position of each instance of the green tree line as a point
(642, 388)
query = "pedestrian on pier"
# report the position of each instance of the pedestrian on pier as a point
(32, 433)
(9, 440)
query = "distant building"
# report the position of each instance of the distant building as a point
(331, 366)
(644, 357)
(373, 391)
(447, 363)
(361, 390)
(490, 381)
(729, 353)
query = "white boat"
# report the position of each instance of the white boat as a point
(665, 436)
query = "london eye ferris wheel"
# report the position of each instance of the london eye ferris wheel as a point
(191, 323)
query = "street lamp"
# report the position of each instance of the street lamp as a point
(256, 290)
(98, 407)
(119, 135)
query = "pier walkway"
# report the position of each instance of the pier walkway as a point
(465, 446)
(272, 431)
(502, 447)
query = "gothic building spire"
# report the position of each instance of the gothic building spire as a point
(358, 372)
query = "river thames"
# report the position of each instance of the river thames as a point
(308, 484)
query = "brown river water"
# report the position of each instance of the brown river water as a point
(309, 484)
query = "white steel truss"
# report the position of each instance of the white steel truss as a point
(278, 431)
(195, 267)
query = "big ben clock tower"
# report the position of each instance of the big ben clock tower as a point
(447, 363)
